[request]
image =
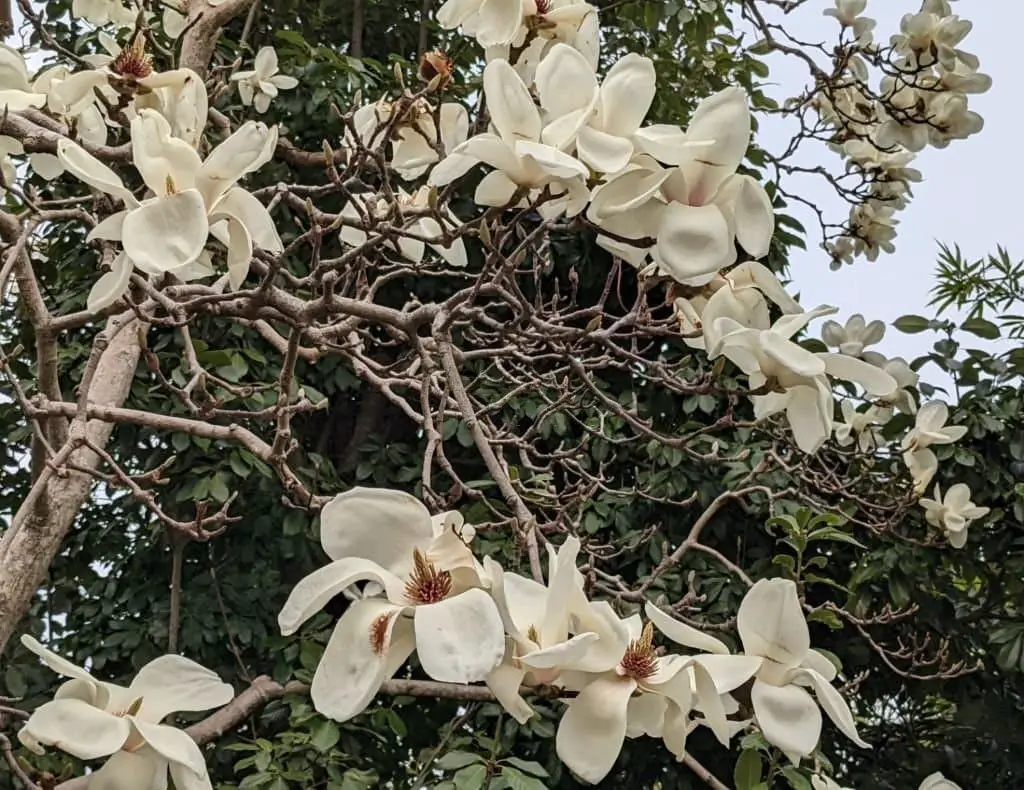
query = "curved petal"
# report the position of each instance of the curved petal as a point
(167, 232)
(313, 592)
(454, 125)
(524, 599)
(245, 151)
(376, 524)
(57, 663)
(174, 683)
(499, 22)
(174, 745)
(645, 715)
(552, 161)
(504, 682)
(166, 164)
(757, 275)
(563, 577)
(454, 12)
(727, 671)
(451, 168)
(790, 356)
(565, 82)
(751, 211)
(85, 167)
(875, 380)
(771, 622)
(111, 286)
(626, 94)
(495, 189)
(694, 241)
(454, 253)
(240, 205)
(492, 150)
(603, 152)
(630, 189)
(681, 633)
(592, 730)
(460, 639)
(567, 654)
(76, 727)
(130, 771)
(724, 118)
(513, 112)
(788, 717)
(833, 704)
(355, 661)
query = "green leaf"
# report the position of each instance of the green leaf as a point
(796, 779)
(325, 736)
(520, 781)
(471, 778)
(831, 533)
(829, 618)
(14, 682)
(912, 324)
(748, 770)
(452, 761)
(527, 766)
(982, 328)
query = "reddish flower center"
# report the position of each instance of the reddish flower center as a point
(132, 61)
(639, 661)
(427, 584)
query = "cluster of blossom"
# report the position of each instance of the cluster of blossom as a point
(921, 101)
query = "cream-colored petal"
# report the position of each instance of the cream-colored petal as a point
(76, 727)
(592, 730)
(460, 639)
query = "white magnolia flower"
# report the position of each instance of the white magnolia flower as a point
(538, 621)
(433, 602)
(953, 513)
(192, 199)
(593, 729)
(853, 338)
(905, 377)
(822, 782)
(862, 427)
(598, 122)
(926, 39)
(929, 429)
(89, 719)
(105, 12)
(937, 781)
(848, 14)
(520, 159)
(741, 294)
(417, 136)
(699, 209)
(874, 228)
(259, 86)
(798, 376)
(496, 23)
(16, 93)
(417, 204)
(772, 627)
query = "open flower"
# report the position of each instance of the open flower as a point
(848, 14)
(862, 427)
(104, 12)
(416, 136)
(613, 703)
(420, 223)
(433, 600)
(797, 376)
(16, 94)
(822, 782)
(89, 718)
(192, 199)
(929, 429)
(259, 86)
(598, 122)
(772, 627)
(521, 161)
(953, 513)
(937, 781)
(854, 337)
(538, 620)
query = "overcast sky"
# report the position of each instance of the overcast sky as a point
(968, 196)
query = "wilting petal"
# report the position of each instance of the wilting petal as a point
(313, 592)
(771, 622)
(592, 730)
(626, 94)
(174, 683)
(355, 660)
(513, 112)
(788, 717)
(753, 218)
(460, 639)
(111, 286)
(504, 682)
(376, 524)
(694, 241)
(85, 167)
(77, 728)
(833, 704)
(165, 233)
(131, 771)
(565, 82)
(166, 164)
(681, 633)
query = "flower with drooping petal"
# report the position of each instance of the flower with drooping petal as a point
(192, 199)
(538, 620)
(906, 378)
(434, 599)
(742, 294)
(772, 626)
(953, 513)
(89, 718)
(848, 14)
(798, 376)
(520, 160)
(421, 224)
(937, 781)
(862, 427)
(259, 86)
(853, 338)
(599, 123)
(929, 429)
(16, 94)
(592, 731)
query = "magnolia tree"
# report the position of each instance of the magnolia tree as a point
(601, 489)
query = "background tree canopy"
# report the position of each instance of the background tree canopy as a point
(575, 374)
